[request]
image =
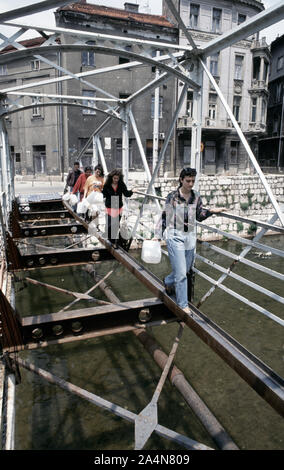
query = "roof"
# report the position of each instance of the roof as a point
(27, 43)
(117, 13)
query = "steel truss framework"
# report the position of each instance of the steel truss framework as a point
(187, 64)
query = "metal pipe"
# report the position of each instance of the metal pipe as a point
(243, 240)
(250, 263)
(10, 413)
(239, 297)
(245, 144)
(109, 406)
(31, 9)
(177, 379)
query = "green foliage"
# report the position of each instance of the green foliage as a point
(240, 227)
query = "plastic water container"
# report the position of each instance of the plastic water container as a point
(73, 200)
(66, 197)
(95, 197)
(151, 251)
(82, 207)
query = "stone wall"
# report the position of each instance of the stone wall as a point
(242, 195)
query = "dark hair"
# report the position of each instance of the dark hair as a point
(115, 172)
(187, 171)
(87, 168)
(76, 163)
(99, 167)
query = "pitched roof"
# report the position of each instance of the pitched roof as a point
(27, 43)
(117, 13)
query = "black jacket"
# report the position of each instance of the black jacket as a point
(72, 177)
(113, 199)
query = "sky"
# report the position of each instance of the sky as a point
(145, 6)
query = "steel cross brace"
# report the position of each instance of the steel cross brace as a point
(257, 374)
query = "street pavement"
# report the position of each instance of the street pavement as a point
(38, 187)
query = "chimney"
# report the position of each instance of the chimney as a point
(131, 7)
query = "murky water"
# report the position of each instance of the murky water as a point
(118, 368)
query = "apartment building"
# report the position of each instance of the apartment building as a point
(241, 72)
(271, 155)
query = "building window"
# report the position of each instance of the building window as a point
(263, 110)
(90, 103)
(88, 58)
(18, 158)
(160, 107)
(212, 106)
(216, 20)
(214, 59)
(3, 69)
(194, 15)
(278, 95)
(237, 107)
(189, 104)
(124, 60)
(241, 18)
(253, 109)
(275, 124)
(234, 152)
(280, 62)
(36, 109)
(35, 64)
(239, 61)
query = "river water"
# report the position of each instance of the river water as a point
(118, 369)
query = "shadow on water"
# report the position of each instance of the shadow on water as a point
(118, 369)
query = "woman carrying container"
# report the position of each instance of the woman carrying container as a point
(81, 181)
(95, 182)
(113, 190)
(183, 207)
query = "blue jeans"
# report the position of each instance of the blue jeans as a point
(181, 260)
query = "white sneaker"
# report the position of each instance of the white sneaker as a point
(187, 310)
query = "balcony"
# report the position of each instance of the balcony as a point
(257, 127)
(184, 122)
(258, 85)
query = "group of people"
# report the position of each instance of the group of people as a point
(178, 221)
(112, 187)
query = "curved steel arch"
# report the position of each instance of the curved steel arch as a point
(41, 105)
(41, 50)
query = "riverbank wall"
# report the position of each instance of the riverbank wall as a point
(242, 195)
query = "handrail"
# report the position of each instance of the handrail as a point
(247, 220)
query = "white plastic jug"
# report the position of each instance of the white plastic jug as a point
(82, 207)
(151, 251)
(73, 200)
(95, 197)
(66, 197)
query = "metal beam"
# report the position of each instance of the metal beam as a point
(34, 51)
(34, 8)
(257, 374)
(245, 143)
(103, 37)
(109, 406)
(256, 23)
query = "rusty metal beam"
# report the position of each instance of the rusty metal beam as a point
(72, 325)
(257, 374)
